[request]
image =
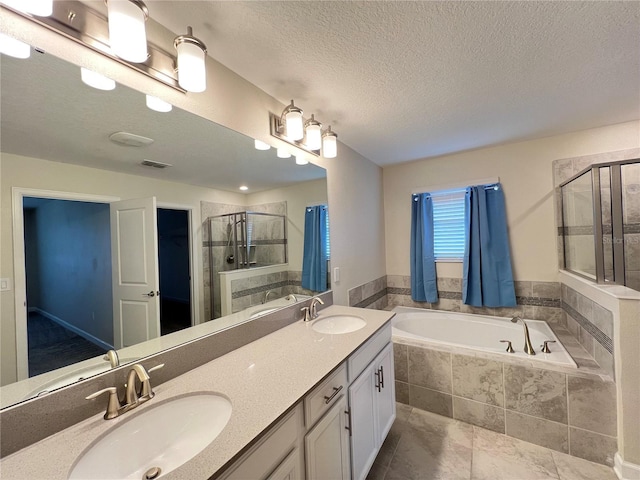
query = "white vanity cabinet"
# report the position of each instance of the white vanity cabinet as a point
(373, 409)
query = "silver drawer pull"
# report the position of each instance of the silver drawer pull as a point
(336, 390)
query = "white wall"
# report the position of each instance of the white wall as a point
(525, 171)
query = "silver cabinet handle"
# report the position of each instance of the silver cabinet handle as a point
(348, 427)
(381, 377)
(336, 390)
(378, 384)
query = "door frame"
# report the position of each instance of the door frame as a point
(193, 257)
(19, 267)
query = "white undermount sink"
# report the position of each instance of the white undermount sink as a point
(163, 437)
(337, 324)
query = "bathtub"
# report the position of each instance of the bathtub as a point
(477, 332)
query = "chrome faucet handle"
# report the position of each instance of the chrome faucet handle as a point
(113, 405)
(545, 346)
(306, 311)
(146, 392)
(509, 347)
(112, 357)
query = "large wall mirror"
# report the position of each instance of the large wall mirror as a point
(125, 244)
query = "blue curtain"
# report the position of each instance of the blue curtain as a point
(423, 265)
(487, 279)
(314, 258)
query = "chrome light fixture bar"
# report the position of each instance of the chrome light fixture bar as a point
(88, 27)
(308, 136)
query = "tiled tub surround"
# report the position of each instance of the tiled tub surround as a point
(259, 396)
(592, 325)
(248, 292)
(372, 294)
(569, 411)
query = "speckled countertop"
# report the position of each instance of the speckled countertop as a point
(262, 379)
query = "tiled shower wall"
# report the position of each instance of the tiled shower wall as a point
(267, 252)
(592, 325)
(574, 414)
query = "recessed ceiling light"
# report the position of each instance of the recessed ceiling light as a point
(14, 48)
(260, 145)
(130, 139)
(244, 188)
(96, 80)
(157, 104)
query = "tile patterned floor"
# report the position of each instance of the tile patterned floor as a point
(426, 446)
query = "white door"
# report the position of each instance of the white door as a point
(364, 439)
(134, 256)
(327, 446)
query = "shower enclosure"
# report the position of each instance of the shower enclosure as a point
(601, 223)
(243, 240)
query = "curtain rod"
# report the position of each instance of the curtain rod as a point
(457, 185)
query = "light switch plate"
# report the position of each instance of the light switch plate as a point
(336, 275)
(5, 284)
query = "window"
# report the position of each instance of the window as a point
(448, 225)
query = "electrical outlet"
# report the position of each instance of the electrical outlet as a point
(5, 284)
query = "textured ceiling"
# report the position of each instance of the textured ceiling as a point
(400, 81)
(63, 120)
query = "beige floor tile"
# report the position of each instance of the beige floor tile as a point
(574, 468)
(497, 457)
(432, 447)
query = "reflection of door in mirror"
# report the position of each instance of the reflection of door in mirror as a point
(70, 269)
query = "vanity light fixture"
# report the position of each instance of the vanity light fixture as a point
(192, 74)
(283, 153)
(260, 145)
(329, 143)
(96, 80)
(127, 33)
(301, 160)
(157, 104)
(41, 8)
(290, 127)
(14, 48)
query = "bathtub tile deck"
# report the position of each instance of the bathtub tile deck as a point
(424, 445)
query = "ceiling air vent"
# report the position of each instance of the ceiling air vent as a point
(151, 163)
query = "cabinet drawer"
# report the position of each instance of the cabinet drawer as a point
(325, 395)
(270, 450)
(366, 353)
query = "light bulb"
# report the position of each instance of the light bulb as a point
(260, 145)
(301, 160)
(14, 48)
(294, 124)
(283, 153)
(329, 144)
(127, 34)
(192, 70)
(96, 80)
(157, 104)
(314, 134)
(41, 8)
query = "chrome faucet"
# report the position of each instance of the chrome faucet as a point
(311, 312)
(528, 348)
(132, 397)
(112, 358)
(266, 296)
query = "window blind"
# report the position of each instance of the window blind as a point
(448, 224)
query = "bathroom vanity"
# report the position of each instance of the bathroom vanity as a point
(304, 404)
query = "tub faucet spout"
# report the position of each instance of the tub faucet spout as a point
(528, 348)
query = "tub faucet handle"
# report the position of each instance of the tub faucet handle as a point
(545, 346)
(509, 347)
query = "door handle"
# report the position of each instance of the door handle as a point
(150, 294)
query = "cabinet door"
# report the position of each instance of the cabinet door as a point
(364, 445)
(385, 396)
(289, 469)
(327, 446)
